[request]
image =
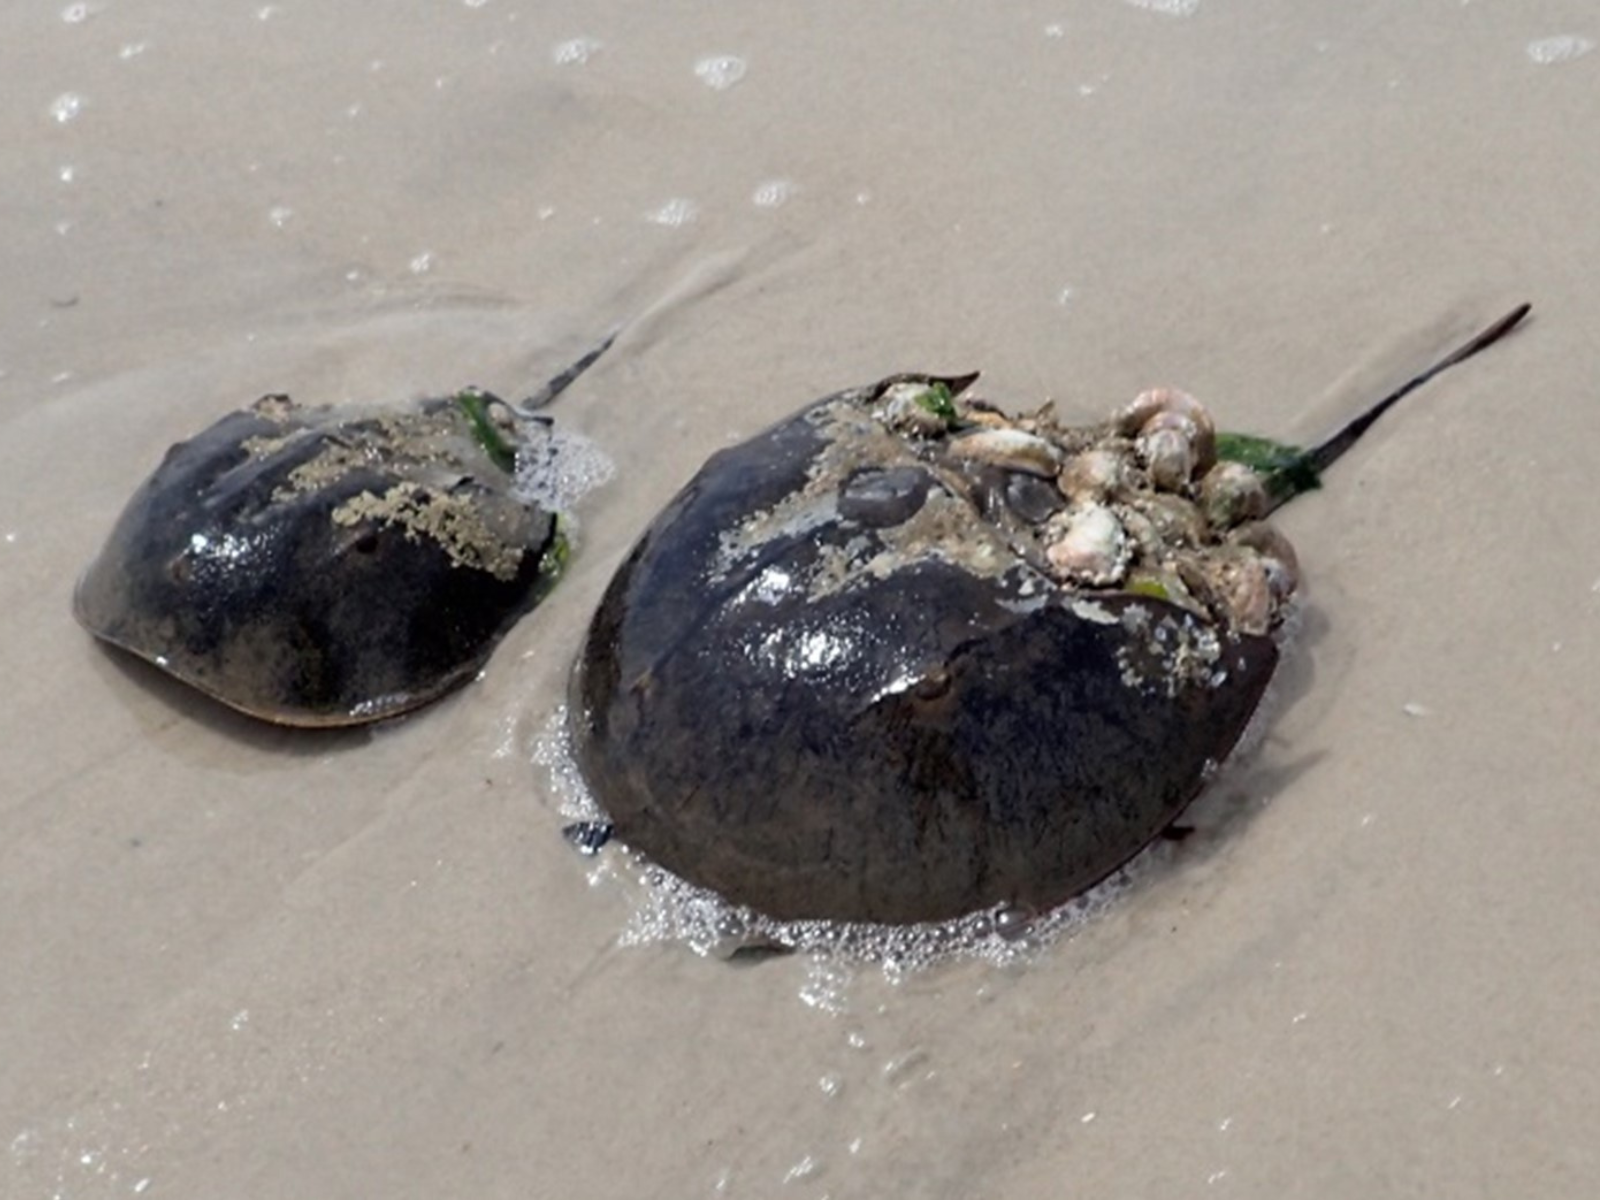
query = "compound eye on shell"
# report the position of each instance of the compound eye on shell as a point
(878, 496)
(1032, 499)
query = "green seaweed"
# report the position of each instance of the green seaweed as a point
(474, 405)
(939, 401)
(557, 554)
(1286, 470)
(1146, 586)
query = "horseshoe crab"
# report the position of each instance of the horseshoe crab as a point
(326, 566)
(902, 657)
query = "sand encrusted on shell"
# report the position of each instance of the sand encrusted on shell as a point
(948, 529)
(853, 440)
(453, 522)
(432, 443)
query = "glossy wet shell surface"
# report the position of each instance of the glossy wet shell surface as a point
(320, 566)
(831, 681)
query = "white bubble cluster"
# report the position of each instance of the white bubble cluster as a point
(772, 193)
(558, 467)
(719, 72)
(1168, 8)
(1564, 47)
(574, 52)
(675, 212)
(66, 107)
(552, 750)
(674, 910)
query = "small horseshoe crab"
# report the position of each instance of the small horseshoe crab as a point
(902, 657)
(327, 566)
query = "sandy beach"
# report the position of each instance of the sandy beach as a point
(241, 961)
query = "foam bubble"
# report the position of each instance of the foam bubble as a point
(719, 72)
(1168, 8)
(671, 909)
(673, 213)
(66, 107)
(574, 52)
(552, 750)
(556, 467)
(772, 193)
(1563, 47)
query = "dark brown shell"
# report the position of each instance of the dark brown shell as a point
(827, 683)
(320, 566)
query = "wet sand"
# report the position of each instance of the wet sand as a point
(236, 961)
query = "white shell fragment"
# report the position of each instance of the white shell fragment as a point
(1012, 449)
(1092, 547)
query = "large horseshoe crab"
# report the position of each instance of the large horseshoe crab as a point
(902, 657)
(331, 565)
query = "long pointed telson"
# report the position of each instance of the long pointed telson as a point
(474, 403)
(567, 378)
(1290, 470)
